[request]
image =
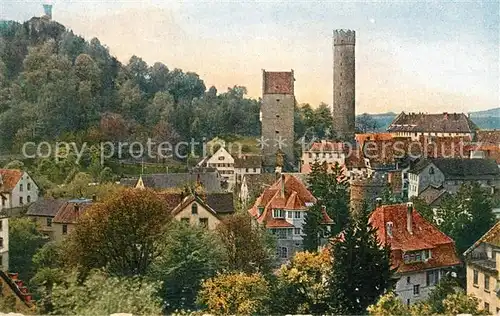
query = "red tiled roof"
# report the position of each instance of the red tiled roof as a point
(327, 146)
(424, 236)
(294, 196)
(361, 138)
(10, 177)
(71, 211)
(278, 82)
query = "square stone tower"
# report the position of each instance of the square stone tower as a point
(277, 117)
(344, 82)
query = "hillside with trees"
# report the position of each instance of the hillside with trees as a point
(56, 85)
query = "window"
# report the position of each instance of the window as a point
(310, 155)
(185, 220)
(277, 132)
(28, 199)
(476, 277)
(49, 222)
(277, 213)
(486, 306)
(28, 186)
(290, 214)
(282, 252)
(221, 158)
(416, 289)
(408, 302)
(261, 210)
(21, 200)
(296, 214)
(432, 277)
(486, 283)
(204, 222)
(408, 280)
(296, 231)
(1, 242)
(21, 187)
(3, 201)
(431, 170)
(64, 229)
(194, 209)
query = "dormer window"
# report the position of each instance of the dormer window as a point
(278, 213)
(431, 170)
(261, 210)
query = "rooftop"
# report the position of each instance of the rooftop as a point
(9, 179)
(438, 123)
(423, 236)
(460, 168)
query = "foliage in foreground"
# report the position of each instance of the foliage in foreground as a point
(191, 255)
(454, 304)
(235, 293)
(121, 234)
(101, 294)
(301, 286)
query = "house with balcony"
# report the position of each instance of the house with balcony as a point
(420, 253)
(282, 208)
(233, 168)
(483, 270)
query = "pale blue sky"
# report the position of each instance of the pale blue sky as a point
(419, 56)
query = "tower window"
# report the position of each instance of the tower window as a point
(277, 100)
(340, 94)
(277, 116)
(277, 132)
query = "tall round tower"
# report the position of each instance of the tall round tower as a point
(344, 84)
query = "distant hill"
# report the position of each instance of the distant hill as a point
(487, 119)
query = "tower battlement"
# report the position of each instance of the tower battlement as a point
(344, 37)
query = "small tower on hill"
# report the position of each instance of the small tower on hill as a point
(47, 9)
(364, 193)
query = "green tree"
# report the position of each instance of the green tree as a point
(191, 255)
(466, 216)
(361, 268)
(235, 294)
(122, 234)
(102, 294)
(24, 240)
(249, 247)
(301, 286)
(332, 194)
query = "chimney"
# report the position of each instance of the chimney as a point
(282, 185)
(379, 202)
(409, 217)
(445, 114)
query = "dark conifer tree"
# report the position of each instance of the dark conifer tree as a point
(361, 268)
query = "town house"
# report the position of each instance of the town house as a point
(42, 212)
(451, 173)
(16, 190)
(483, 270)
(282, 208)
(414, 125)
(205, 210)
(420, 254)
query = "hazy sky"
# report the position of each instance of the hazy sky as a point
(429, 56)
